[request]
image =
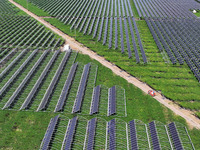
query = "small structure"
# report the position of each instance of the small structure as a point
(194, 11)
(152, 93)
(67, 48)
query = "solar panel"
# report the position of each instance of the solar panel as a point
(53, 82)
(112, 134)
(67, 142)
(175, 136)
(3, 89)
(12, 63)
(81, 89)
(7, 56)
(91, 136)
(22, 84)
(133, 135)
(154, 136)
(39, 81)
(112, 101)
(95, 100)
(49, 133)
(66, 88)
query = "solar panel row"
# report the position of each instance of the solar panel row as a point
(95, 100)
(67, 142)
(133, 136)
(14, 76)
(24, 82)
(154, 136)
(81, 89)
(112, 134)
(66, 88)
(112, 101)
(39, 81)
(53, 82)
(91, 136)
(175, 136)
(49, 133)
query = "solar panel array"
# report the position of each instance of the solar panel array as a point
(50, 81)
(166, 8)
(7, 8)
(102, 20)
(97, 133)
(179, 38)
(23, 31)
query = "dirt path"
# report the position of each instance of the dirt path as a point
(187, 115)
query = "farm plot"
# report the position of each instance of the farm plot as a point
(97, 133)
(51, 81)
(23, 31)
(179, 38)
(109, 21)
(166, 9)
(7, 8)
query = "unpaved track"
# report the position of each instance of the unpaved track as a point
(187, 115)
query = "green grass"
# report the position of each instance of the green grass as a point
(22, 130)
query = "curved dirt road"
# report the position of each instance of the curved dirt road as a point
(187, 115)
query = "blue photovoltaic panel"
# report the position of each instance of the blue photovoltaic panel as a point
(81, 90)
(48, 135)
(26, 79)
(95, 100)
(134, 144)
(66, 87)
(39, 81)
(112, 135)
(175, 136)
(53, 82)
(13, 62)
(91, 130)
(154, 136)
(4, 88)
(112, 101)
(70, 134)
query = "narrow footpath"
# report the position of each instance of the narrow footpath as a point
(186, 114)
